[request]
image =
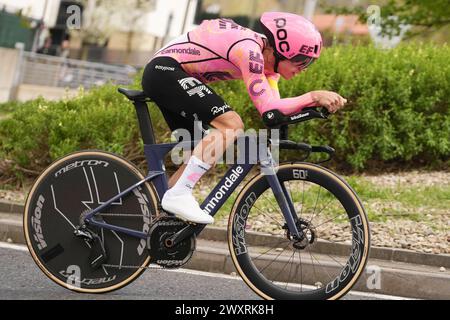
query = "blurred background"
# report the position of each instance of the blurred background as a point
(121, 35)
(61, 62)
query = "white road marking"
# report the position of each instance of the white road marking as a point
(224, 276)
(18, 247)
(4, 245)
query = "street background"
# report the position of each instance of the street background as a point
(62, 61)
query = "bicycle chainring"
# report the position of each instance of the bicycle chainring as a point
(160, 253)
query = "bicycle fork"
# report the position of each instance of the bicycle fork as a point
(282, 197)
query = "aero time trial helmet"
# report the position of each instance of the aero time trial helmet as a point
(292, 37)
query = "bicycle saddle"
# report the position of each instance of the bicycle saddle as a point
(134, 95)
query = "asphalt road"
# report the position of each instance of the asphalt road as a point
(21, 279)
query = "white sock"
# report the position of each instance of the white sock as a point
(195, 169)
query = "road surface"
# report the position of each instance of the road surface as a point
(21, 279)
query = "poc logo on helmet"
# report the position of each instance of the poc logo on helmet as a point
(282, 34)
(282, 37)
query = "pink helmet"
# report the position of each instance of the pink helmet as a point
(293, 37)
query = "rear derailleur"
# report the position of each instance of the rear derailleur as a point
(97, 255)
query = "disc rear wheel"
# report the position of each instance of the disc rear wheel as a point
(71, 187)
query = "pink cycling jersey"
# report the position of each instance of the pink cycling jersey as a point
(222, 50)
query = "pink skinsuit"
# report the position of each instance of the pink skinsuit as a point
(222, 50)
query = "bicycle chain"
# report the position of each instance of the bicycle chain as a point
(156, 267)
(119, 215)
(117, 266)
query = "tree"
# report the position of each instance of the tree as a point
(423, 16)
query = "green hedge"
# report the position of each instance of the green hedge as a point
(398, 104)
(398, 112)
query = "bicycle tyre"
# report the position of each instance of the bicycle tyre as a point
(70, 186)
(246, 246)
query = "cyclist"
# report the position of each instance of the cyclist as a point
(177, 76)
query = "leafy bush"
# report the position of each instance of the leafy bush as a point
(40, 131)
(398, 104)
(398, 112)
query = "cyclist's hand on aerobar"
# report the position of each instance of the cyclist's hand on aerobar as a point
(328, 99)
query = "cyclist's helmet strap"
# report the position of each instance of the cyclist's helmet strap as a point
(270, 38)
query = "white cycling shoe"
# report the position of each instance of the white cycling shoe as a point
(186, 208)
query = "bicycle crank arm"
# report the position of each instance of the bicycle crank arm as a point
(183, 234)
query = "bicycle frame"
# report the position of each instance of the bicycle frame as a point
(216, 199)
(155, 154)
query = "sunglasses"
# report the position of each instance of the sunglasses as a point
(302, 61)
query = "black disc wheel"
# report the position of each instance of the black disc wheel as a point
(71, 187)
(325, 261)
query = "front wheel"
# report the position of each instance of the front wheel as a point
(326, 263)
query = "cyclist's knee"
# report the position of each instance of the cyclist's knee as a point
(228, 121)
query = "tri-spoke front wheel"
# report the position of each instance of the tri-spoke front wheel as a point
(327, 262)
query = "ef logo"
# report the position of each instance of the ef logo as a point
(306, 49)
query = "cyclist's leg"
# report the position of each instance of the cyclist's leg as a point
(227, 128)
(185, 99)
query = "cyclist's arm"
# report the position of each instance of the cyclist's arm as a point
(248, 57)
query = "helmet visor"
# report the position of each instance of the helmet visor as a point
(302, 61)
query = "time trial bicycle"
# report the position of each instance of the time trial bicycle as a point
(93, 223)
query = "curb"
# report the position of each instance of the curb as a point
(11, 229)
(379, 253)
(11, 207)
(387, 254)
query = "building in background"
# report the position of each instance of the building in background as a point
(42, 20)
(136, 44)
(35, 22)
(120, 33)
(45, 10)
(247, 13)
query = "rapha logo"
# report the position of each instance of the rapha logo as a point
(222, 109)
